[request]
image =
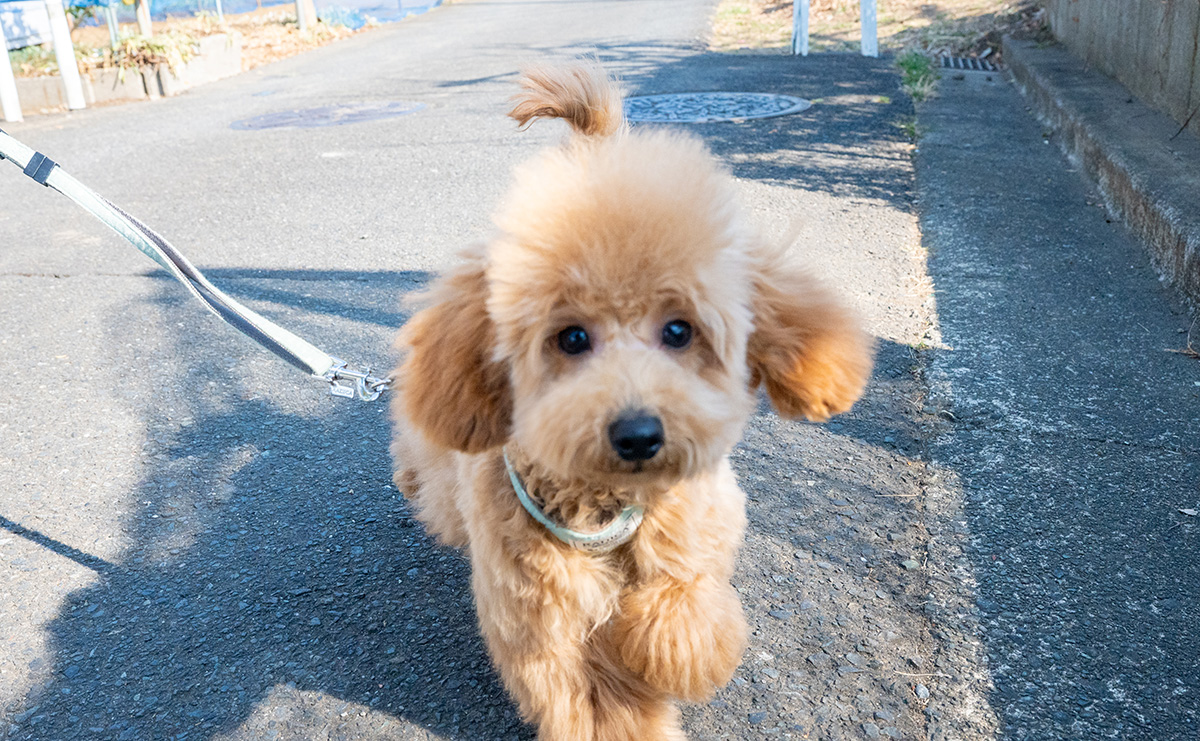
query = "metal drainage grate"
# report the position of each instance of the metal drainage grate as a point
(710, 107)
(969, 64)
(332, 115)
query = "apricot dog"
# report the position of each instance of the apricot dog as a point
(600, 357)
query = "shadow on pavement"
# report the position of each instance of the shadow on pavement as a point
(833, 147)
(1074, 431)
(270, 549)
(840, 146)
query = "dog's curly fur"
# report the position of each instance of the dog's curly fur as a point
(618, 232)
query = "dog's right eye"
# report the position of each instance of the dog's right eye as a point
(574, 340)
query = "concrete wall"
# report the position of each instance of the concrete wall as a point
(1151, 46)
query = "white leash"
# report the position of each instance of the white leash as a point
(293, 349)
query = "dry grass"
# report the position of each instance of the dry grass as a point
(1188, 350)
(273, 35)
(933, 27)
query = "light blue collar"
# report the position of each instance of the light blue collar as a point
(619, 530)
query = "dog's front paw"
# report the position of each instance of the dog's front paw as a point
(684, 639)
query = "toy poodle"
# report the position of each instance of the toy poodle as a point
(568, 399)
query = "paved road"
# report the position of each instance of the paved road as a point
(197, 544)
(1072, 441)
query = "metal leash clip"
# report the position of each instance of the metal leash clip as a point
(364, 386)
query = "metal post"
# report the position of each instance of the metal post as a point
(306, 14)
(64, 52)
(800, 27)
(9, 103)
(870, 32)
(220, 14)
(114, 33)
(143, 17)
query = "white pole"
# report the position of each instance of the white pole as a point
(64, 52)
(870, 32)
(114, 33)
(9, 103)
(141, 9)
(800, 27)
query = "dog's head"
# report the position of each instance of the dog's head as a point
(618, 326)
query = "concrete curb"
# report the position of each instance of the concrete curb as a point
(1148, 178)
(217, 57)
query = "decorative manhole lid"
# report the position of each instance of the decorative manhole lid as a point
(330, 115)
(710, 107)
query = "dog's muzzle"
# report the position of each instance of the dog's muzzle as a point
(636, 437)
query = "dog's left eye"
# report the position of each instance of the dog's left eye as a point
(677, 334)
(574, 340)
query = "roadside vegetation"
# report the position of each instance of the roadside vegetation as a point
(268, 34)
(918, 74)
(172, 48)
(936, 27)
(914, 32)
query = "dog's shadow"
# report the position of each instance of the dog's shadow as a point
(270, 557)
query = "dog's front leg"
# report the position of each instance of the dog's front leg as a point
(683, 637)
(574, 695)
(565, 679)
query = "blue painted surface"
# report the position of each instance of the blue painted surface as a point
(348, 12)
(25, 23)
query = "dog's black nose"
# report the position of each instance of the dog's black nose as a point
(636, 438)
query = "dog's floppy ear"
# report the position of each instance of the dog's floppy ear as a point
(453, 390)
(806, 348)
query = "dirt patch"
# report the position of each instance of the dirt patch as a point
(939, 27)
(274, 34)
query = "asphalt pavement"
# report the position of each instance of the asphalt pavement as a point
(196, 542)
(1071, 434)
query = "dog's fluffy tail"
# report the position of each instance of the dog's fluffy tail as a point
(581, 94)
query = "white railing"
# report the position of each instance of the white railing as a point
(9, 105)
(866, 11)
(64, 52)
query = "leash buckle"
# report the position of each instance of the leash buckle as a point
(361, 384)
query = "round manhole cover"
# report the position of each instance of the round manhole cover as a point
(330, 115)
(709, 107)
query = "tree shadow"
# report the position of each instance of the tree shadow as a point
(850, 143)
(271, 559)
(270, 551)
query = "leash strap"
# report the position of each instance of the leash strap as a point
(295, 350)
